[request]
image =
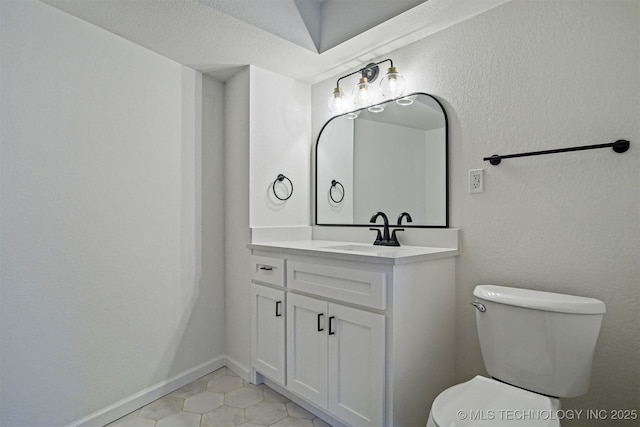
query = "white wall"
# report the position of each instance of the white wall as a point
(532, 75)
(104, 286)
(210, 212)
(280, 144)
(237, 235)
(267, 133)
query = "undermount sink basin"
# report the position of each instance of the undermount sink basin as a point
(378, 250)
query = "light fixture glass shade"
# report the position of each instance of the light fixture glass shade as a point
(338, 102)
(392, 85)
(363, 93)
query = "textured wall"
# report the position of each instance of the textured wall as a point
(533, 75)
(104, 292)
(280, 132)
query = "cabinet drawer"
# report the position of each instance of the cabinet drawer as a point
(267, 270)
(361, 287)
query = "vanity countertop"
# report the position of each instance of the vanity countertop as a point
(352, 251)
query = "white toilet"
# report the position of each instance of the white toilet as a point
(537, 347)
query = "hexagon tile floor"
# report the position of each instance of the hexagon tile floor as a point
(221, 399)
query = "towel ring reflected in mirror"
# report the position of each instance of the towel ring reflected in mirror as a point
(335, 184)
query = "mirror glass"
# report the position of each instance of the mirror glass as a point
(392, 161)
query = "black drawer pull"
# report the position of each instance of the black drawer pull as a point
(331, 331)
(265, 268)
(320, 328)
(278, 310)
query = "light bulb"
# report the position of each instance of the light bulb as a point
(338, 102)
(392, 85)
(363, 93)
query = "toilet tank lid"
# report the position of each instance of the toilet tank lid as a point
(539, 300)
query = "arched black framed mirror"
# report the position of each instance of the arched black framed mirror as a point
(394, 160)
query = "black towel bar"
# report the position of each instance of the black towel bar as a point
(620, 146)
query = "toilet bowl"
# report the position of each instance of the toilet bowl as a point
(484, 401)
(534, 345)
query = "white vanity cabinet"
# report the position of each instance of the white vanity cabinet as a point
(268, 317)
(366, 339)
(335, 358)
(268, 331)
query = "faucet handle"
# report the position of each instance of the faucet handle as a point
(378, 236)
(394, 238)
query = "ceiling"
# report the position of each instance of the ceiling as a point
(316, 25)
(308, 40)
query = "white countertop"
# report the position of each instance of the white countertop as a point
(356, 251)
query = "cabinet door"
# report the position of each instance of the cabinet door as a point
(268, 345)
(307, 348)
(356, 365)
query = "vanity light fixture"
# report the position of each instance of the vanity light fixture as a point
(338, 101)
(392, 85)
(364, 94)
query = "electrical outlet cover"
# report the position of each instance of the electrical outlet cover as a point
(476, 180)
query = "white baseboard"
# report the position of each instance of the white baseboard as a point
(149, 394)
(237, 368)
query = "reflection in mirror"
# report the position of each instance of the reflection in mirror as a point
(392, 161)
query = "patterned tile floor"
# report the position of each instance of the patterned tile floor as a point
(221, 399)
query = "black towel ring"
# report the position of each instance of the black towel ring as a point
(281, 178)
(335, 183)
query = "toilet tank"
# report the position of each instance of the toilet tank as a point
(539, 341)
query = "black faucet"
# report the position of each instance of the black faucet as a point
(385, 240)
(393, 241)
(404, 215)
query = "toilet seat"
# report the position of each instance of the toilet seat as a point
(486, 402)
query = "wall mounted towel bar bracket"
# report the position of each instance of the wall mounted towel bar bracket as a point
(620, 146)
